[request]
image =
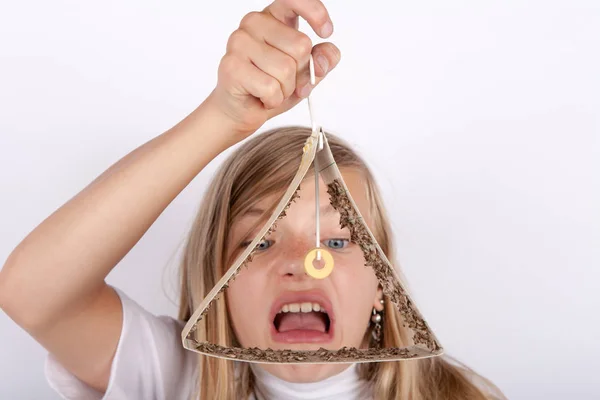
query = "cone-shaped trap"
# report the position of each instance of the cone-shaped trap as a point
(421, 341)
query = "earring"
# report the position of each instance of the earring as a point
(377, 319)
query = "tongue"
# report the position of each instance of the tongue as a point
(313, 321)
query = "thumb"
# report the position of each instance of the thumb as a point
(327, 53)
(326, 57)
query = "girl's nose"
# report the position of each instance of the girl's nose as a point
(291, 260)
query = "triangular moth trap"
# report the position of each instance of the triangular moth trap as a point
(424, 343)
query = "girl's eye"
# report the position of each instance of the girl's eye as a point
(337, 243)
(263, 245)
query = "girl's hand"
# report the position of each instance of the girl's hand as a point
(265, 69)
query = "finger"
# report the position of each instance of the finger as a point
(313, 11)
(298, 45)
(277, 64)
(326, 56)
(263, 27)
(251, 80)
(270, 60)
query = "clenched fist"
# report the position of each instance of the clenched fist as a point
(265, 69)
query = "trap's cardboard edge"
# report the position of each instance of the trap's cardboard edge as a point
(330, 171)
(417, 353)
(307, 158)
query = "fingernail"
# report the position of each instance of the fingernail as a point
(326, 29)
(305, 91)
(323, 63)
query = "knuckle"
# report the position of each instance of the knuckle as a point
(288, 68)
(272, 93)
(229, 65)
(272, 88)
(289, 89)
(303, 46)
(288, 3)
(236, 41)
(250, 19)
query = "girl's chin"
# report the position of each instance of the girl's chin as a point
(302, 373)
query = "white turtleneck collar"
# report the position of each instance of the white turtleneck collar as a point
(346, 385)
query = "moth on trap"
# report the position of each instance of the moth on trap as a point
(316, 152)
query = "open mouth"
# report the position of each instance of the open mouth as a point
(302, 321)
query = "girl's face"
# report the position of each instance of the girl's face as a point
(274, 304)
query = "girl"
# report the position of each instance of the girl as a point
(102, 344)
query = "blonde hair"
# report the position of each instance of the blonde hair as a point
(262, 166)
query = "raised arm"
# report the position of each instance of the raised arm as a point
(53, 285)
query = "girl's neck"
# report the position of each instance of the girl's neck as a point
(346, 385)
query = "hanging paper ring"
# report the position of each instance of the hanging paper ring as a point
(311, 270)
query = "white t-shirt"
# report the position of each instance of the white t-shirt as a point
(151, 364)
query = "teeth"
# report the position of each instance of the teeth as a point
(302, 307)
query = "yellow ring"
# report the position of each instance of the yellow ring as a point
(310, 268)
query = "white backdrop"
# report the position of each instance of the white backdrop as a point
(481, 120)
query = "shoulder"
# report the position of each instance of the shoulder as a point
(155, 340)
(150, 361)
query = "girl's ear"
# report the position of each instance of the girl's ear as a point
(378, 302)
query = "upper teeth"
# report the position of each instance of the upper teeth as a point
(301, 307)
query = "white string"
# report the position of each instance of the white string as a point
(317, 219)
(316, 131)
(311, 67)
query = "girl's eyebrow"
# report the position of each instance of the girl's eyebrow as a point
(326, 210)
(254, 212)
